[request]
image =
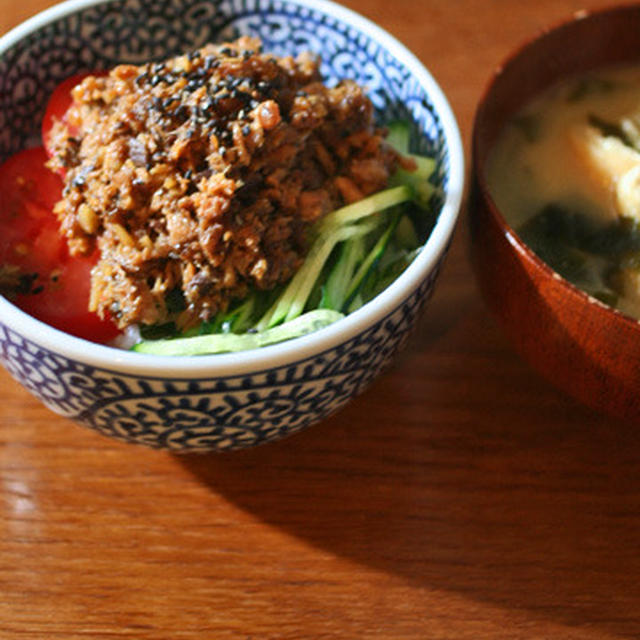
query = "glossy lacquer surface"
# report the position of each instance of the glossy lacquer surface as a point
(461, 496)
(584, 347)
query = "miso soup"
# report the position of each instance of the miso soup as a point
(566, 175)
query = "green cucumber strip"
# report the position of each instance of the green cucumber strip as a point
(233, 320)
(292, 307)
(386, 274)
(418, 180)
(406, 236)
(351, 253)
(421, 188)
(424, 190)
(370, 262)
(355, 304)
(297, 291)
(230, 342)
(425, 166)
(277, 313)
(241, 319)
(399, 136)
(365, 207)
(302, 294)
(346, 284)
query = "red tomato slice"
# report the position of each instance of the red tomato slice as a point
(30, 239)
(24, 178)
(63, 302)
(59, 104)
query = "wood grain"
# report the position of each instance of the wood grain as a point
(461, 497)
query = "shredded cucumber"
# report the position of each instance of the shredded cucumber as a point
(363, 208)
(417, 181)
(291, 303)
(230, 342)
(424, 167)
(399, 136)
(356, 251)
(369, 263)
(335, 290)
(406, 234)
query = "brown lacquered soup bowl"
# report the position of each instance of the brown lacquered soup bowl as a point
(587, 349)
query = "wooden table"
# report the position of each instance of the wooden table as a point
(460, 497)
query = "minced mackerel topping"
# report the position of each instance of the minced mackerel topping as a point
(197, 178)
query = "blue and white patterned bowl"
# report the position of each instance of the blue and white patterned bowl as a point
(237, 400)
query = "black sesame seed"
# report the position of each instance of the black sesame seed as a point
(211, 62)
(244, 97)
(181, 113)
(194, 84)
(141, 79)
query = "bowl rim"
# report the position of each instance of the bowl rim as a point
(479, 169)
(297, 349)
